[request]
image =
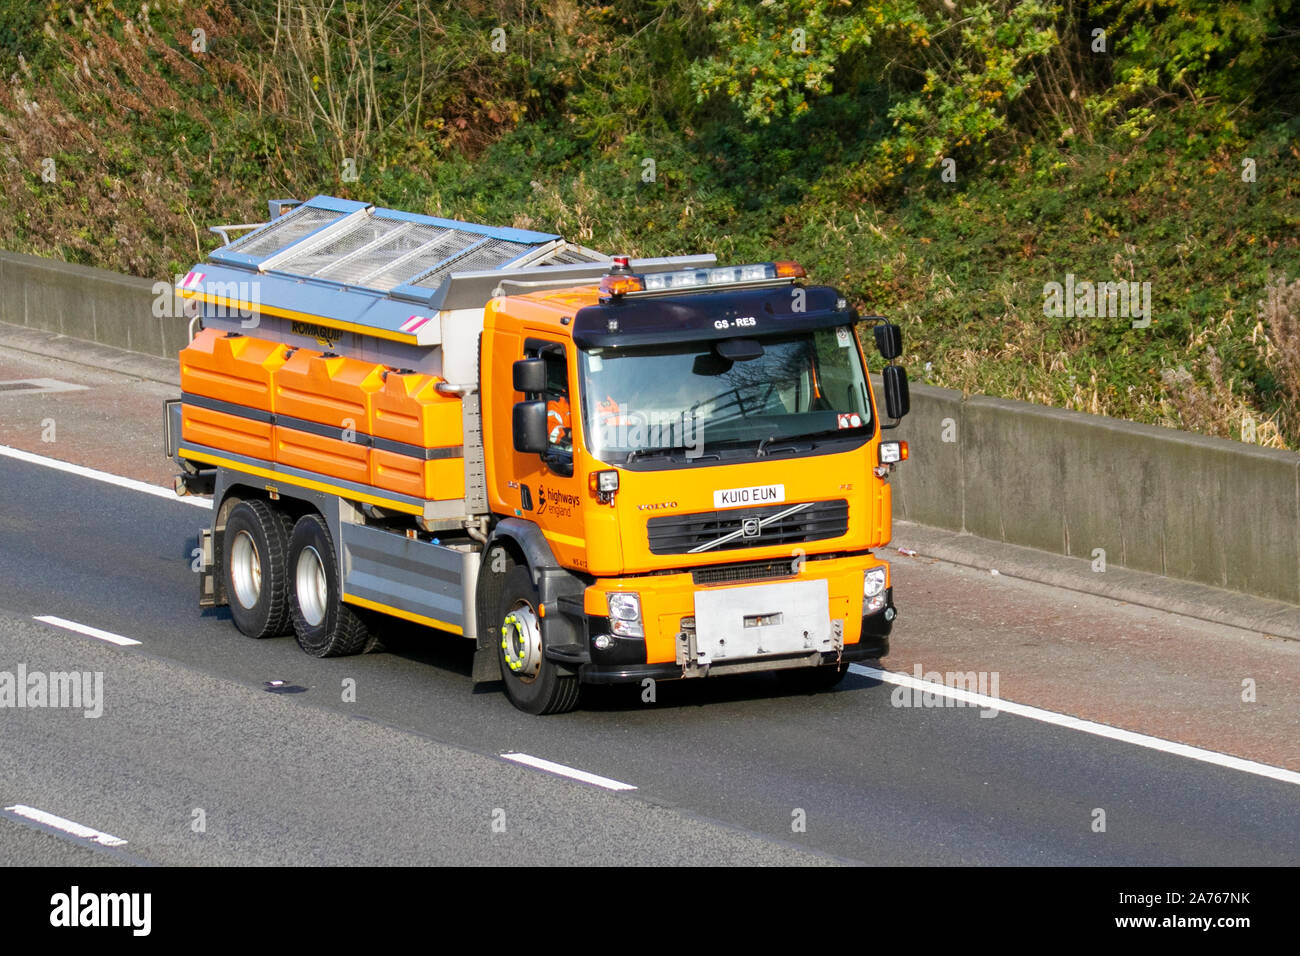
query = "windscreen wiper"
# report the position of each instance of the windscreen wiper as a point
(811, 438)
(665, 452)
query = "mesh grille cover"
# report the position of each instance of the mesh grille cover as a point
(449, 242)
(754, 571)
(401, 239)
(288, 229)
(493, 253)
(569, 256)
(381, 252)
(322, 257)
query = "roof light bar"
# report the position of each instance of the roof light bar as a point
(619, 284)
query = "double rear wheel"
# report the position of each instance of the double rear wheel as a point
(255, 547)
(282, 575)
(323, 624)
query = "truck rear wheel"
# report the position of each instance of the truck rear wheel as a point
(254, 551)
(533, 683)
(323, 624)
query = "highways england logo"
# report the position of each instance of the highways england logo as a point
(72, 690)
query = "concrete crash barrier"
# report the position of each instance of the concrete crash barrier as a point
(1152, 499)
(1138, 496)
(94, 305)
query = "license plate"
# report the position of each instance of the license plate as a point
(753, 495)
(765, 619)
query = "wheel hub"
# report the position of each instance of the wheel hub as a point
(521, 642)
(246, 570)
(310, 586)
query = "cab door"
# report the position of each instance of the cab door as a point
(549, 493)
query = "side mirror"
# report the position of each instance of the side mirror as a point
(897, 400)
(530, 376)
(889, 340)
(528, 424)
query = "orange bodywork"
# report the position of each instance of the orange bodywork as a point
(253, 379)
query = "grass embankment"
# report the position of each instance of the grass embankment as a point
(125, 133)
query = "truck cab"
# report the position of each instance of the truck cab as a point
(698, 457)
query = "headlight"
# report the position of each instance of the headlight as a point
(604, 482)
(625, 613)
(873, 583)
(892, 452)
(873, 590)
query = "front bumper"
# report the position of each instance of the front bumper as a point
(668, 599)
(870, 649)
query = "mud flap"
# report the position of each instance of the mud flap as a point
(209, 595)
(487, 662)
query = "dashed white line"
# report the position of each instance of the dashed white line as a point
(86, 629)
(39, 386)
(129, 483)
(67, 826)
(972, 699)
(906, 680)
(558, 768)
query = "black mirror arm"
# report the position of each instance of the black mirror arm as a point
(559, 462)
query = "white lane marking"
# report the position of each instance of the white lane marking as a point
(970, 698)
(563, 771)
(38, 386)
(131, 483)
(86, 629)
(67, 826)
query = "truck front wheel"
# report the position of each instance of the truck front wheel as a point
(254, 551)
(532, 682)
(323, 624)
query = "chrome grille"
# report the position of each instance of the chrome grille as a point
(682, 534)
(751, 571)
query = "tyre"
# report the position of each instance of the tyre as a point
(532, 682)
(255, 557)
(323, 624)
(810, 680)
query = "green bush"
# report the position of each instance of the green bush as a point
(1113, 158)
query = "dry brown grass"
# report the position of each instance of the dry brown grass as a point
(1279, 319)
(121, 212)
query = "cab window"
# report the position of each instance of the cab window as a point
(559, 417)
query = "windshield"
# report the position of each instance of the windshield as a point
(698, 397)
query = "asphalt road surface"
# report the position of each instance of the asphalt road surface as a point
(195, 761)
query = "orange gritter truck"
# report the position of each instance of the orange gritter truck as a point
(599, 469)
